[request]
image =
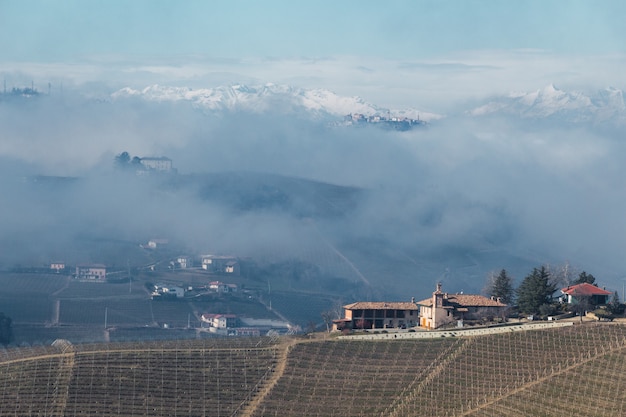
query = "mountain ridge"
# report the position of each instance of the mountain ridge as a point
(547, 103)
(551, 102)
(321, 103)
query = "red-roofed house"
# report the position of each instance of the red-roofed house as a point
(596, 296)
(443, 308)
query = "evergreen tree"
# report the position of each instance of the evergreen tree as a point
(585, 277)
(535, 290)
(122, 160)
(501, 286)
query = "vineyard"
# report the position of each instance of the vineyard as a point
(574, 370)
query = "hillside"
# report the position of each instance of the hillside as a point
(576, 370)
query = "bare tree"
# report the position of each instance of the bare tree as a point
(562, 275)
(328, 317)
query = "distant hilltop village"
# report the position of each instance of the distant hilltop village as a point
(145, 165)
(16, 92)
(386, 122)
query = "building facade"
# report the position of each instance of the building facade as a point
(443, 308)
(91, 272)
(161, 164)
(595, 295)
(379, 315)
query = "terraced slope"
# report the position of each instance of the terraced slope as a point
(500, 368)
(576, 370)
(212, 378)
(352, 378)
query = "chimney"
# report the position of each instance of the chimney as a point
(413, 300)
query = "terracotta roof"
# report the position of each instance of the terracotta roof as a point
(380, 305)
(464, 300)
(428, 302)
(584, 289)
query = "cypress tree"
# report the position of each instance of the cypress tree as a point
(535, 290)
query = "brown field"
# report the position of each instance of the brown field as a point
(577, 370)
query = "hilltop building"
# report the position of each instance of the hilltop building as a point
(443, 308)
(160, 164)
(378, 315)
(386, 122)
(596, 296)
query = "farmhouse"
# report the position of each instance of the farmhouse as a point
(245, 331)
(575, 293)
(57, 266)
(167, 292)
(222, 287)
(220, 321)
(443, 308)
(93, 272)
(378, 315)
(184, 262)
(232, 267)
(221, 264)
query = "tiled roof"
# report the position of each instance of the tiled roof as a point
(465, 300)
(584, 289)
(380, 305)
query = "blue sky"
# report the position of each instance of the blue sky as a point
(397, 53)
(70, 29)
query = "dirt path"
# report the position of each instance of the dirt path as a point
(266, 388)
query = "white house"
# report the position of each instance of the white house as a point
(160, 164)
(220, 321)
(220, 264)
(219, 286)
(232, 267)
(57, 266)
(184, 262)
(155, 243)
(161, 290)
(92, 272)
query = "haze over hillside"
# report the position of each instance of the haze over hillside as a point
(261, 167)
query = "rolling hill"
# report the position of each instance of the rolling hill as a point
(575, 370)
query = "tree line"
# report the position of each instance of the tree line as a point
(535, 293)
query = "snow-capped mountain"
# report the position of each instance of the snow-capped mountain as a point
(269, 97)
(551, 102)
